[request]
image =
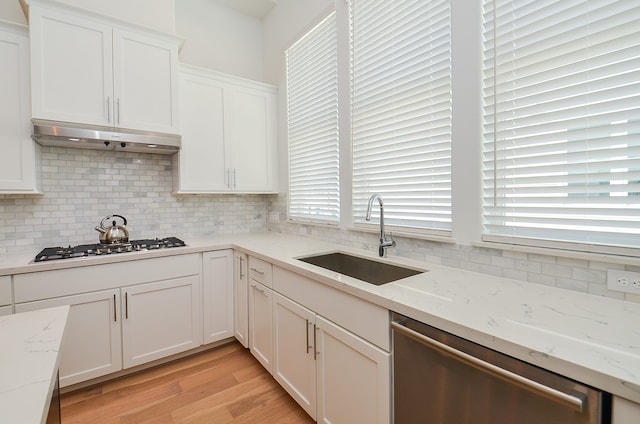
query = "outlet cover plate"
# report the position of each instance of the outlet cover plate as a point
(623, 281)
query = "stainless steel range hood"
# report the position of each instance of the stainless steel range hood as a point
(66, 134)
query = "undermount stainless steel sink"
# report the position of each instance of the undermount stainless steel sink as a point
(364, 269)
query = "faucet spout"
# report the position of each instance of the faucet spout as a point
(384, 243)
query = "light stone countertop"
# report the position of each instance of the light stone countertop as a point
(592, 339)
(29, 359)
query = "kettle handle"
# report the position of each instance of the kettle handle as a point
(124, 220)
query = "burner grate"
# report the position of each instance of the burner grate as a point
(55, 253)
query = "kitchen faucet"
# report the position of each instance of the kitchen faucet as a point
(384, 243)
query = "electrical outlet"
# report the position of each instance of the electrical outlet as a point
(623, 281)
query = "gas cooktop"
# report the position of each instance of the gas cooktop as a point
(98, 249)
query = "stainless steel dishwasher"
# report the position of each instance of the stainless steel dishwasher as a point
(440, 378)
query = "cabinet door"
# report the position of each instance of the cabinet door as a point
(18, 158)
(217, 295)
(6, 298)
(353, 378)
(260, 324)
(92, 338)
(160, 319)
(294, 353)
(240, 299)
(624, 411)
(202, 160)
(145, 82)
(71, 68)
(251, 133)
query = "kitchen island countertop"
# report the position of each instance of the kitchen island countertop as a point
(592, 339)
(29, 360)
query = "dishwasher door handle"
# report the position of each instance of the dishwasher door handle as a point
(563, 398)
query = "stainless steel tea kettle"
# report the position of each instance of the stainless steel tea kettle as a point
(115, 233)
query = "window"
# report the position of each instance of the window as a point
(312, 106)
(562, 123)
(401, 111)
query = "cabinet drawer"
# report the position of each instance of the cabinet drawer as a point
(65, 282)
(261, 271)
(5, 290)
(369, 321)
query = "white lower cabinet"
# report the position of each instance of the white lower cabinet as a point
(335, 376)
(260, 324)
(92, 339)
(240, 298)
(160, 319)
(122, 314)
(6, 300)
(217, 295)
(353, 375)
(295, 354)
(625, 411)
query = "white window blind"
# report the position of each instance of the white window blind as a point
(312, 95)
(401, 111)
(562, 123)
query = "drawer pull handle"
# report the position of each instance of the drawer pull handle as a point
(257, 271)
(241, 260)
(307, 327)
(115, 309)
(257, 288)
(126, 305)
(315, 343)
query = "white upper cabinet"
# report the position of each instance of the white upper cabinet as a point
(145, 79)
(91, 70)
(229, 134)
(18, 155)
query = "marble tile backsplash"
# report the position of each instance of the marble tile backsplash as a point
(586, 276)
(82, 186)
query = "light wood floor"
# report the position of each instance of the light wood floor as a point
(219, 386)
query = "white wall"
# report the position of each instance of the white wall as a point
(156, 14)
(287, 21)
(220, 38)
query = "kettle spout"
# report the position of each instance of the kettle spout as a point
(100, 229)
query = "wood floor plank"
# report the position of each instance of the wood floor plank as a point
(174, 369)
(224, 385)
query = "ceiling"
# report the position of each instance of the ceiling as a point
(255, 8)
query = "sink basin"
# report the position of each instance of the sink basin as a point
(368, 270)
